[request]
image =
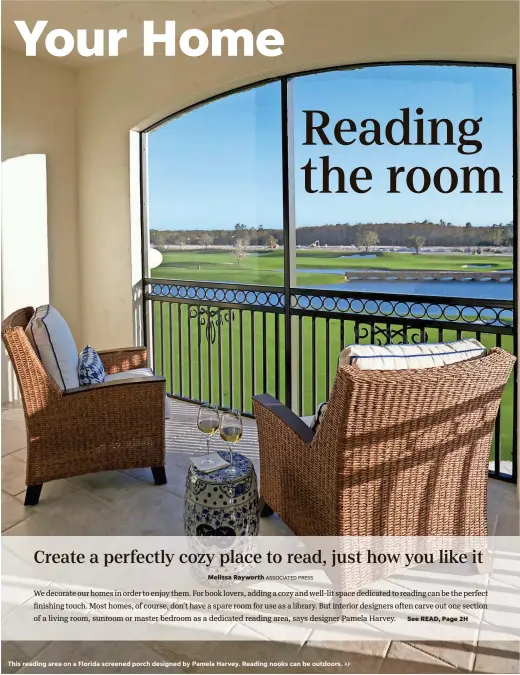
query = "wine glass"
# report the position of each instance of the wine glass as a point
(208, 422)
(231, 432)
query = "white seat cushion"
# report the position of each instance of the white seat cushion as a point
(138, 372)
(410, 357)
(52, 340)
(310, 420)
(313, 421)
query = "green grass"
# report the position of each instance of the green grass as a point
(267, 267)
(187, 363)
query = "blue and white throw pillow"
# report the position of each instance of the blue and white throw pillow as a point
(90, 367)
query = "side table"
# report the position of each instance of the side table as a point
(221, 503)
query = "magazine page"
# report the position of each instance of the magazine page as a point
(259, 336)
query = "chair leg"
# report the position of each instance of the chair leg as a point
(159, 475)
(265, 509)
(32, 494)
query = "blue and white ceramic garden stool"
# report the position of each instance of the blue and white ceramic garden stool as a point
(221, 503)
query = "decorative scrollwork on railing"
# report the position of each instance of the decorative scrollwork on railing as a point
(390, 334)
(419, 336)
(212, 318)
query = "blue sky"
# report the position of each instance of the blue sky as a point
(221, 164)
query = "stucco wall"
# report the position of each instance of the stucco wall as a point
(130, 91)
(39, 117)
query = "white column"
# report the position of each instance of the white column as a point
(139, 237)
(291, 271)
(25, 256)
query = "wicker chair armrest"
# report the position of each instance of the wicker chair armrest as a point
(131, 381)
(121, 360)
(290, 481)
(285, 415)
(84, 429)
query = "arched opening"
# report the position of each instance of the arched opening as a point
(369, 204)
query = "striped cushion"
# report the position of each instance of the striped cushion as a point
(410, 357)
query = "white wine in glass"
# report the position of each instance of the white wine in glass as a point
(231, 431)
(208, 422)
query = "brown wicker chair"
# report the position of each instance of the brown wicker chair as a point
(98, 427)
(398, 453)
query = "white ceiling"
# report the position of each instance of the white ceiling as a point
(90, 14)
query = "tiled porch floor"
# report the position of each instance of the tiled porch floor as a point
(127, 503)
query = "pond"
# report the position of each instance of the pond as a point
(338, 271)
(489, 290)
(476, 265)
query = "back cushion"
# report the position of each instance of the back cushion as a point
(52, 340)
(407, 357)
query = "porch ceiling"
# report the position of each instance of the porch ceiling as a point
(128, 14)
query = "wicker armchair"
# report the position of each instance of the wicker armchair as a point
(398, 453)
(98, 427)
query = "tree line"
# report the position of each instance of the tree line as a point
(416, 234)
(240, 234)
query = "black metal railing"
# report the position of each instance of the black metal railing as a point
(223, 343)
